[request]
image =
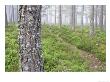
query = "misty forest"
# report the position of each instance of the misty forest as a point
(55, 38)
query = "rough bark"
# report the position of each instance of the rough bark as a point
(30, 38)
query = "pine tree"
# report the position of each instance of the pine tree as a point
(30, 38)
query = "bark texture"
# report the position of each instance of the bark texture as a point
(30, 38)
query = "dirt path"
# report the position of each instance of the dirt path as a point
(93, 62)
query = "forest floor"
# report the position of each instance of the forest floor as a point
(93, 62)
(65, 54)
(63, 50)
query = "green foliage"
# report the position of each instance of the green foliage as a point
(57, 42)
(11, 49)
(60, 48)
(58, 54)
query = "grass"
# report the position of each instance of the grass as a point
(61, 48)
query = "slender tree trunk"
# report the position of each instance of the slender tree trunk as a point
(17, 12)
(60, 16)
(47, 15)
(55, 14)
(101, 18)
(92, 21)
(105, 17)
(96, 15)
(73, 18)
(13, 13)
(6, 21)
(82, 14)
(30, 38)
(10, 16)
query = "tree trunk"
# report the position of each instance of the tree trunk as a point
(6, 21)
(10, 14)
(96, 15)
(47, 12)
(30, 38)
(104, 17)
(60, 16)
(101, 18)
(82, 13)
(73, 18)
(13, 13)
(55, 14)
(17, 12)
(92, 21)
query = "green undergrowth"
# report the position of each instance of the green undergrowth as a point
(60, 48)
(11, 49)
(58, 56)
(57, 51)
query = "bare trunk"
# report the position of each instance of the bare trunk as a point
(60, 16)
(96, 15)
(82, 16)
(6, 21)
(30, 38)
(47, 15)
(92, 21)
(73, 18)
(55, 14)
(105, 17)
(13, 14)
(101, 18)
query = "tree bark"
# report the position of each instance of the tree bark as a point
(6, 21)
(60, 16)
(30, 38)
(82, 14)
(101, 18)
(55, 14)
(13, 14)
(104, 17)
(92, 21)
(96, 9)
(73, 18)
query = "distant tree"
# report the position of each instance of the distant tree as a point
(6, 21)
(30, 38)
(82, 14)
(92, 20)
(60, 15)
(96, 9)
(13, 13)
(55, 14)
(104, 17)
(101, 18)
(17, 10)
(73, 18)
